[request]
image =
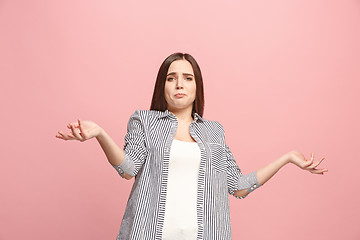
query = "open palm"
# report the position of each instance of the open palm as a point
(80, 130)
(298, 159)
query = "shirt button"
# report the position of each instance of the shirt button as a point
(201, 225)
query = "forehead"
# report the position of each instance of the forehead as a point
(181, 66)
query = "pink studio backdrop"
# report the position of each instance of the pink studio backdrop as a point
(279, 76)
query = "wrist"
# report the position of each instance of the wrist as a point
(285, 159)
(101, 133)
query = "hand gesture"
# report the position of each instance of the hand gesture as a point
(298, 159)
(80, 130)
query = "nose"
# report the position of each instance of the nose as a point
(179, 84)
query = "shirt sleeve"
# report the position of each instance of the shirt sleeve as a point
(134, 147)
(236, 180)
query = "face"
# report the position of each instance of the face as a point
(180, 79)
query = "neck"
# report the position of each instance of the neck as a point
(183, 115)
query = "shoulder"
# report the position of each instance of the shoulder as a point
(144, 114)
(218, 125)
(214, 131)
(141, 118)
(213, 126)
(212, 123)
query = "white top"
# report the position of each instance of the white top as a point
(180, 220)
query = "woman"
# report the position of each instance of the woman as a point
(183, 168)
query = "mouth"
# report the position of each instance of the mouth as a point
(180, 95)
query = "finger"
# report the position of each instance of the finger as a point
(69, 136)
(79, 123)
(308, 163)
(313, 165)
(60, 136)
(318, 163)
(76, 133)
(81, 129)
(74, 124)
(318, 171)
(63, 136)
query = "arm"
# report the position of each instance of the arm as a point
(127, 161)
(239, 185)
(85, 130)
(265, 173)
(295, 157)
(135, 151)
(113, 152)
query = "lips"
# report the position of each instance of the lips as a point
(180, 94)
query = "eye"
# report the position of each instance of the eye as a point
(169, 79)
(189, 78)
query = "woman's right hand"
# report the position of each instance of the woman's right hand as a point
(81, 130)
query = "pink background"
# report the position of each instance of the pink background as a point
(279, 75)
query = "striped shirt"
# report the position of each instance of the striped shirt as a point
(147, 152)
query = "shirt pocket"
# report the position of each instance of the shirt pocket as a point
(217, 157)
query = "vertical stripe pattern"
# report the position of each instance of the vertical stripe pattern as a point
(147, 152)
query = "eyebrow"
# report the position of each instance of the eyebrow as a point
(174, 73)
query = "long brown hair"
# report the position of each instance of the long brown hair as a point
(158, 100)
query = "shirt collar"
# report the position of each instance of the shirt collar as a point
(166, 113)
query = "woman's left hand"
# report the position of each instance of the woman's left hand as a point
(299, 160)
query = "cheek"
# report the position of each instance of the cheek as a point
(167, 93)
(193, 88)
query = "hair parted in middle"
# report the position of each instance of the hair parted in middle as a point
(158, 100)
